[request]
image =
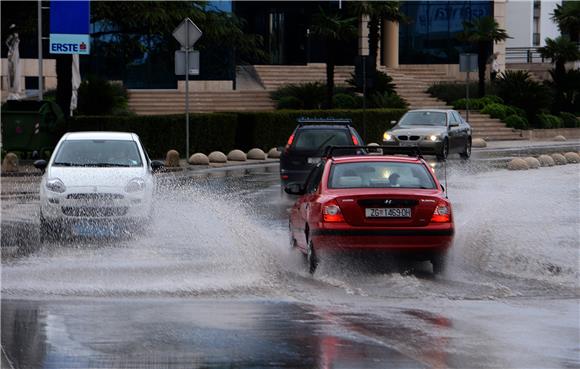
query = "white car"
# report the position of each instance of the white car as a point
(95, 184)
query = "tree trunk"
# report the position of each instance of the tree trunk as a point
(329, 74)
(481, 66)
(64, 82)
(373, 41)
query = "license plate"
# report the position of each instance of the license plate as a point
(407, 143)
(388, 213)
(93, 230)
(314, 160)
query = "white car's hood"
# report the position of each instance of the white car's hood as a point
(116, 177)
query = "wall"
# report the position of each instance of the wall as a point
(30, 69)
(547, 27)
(519, 23)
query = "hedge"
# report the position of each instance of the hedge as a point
(226, 131)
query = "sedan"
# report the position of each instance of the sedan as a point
(385, 204)
(95, 184)
(434, 131)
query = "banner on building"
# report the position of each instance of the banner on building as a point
(69, 27)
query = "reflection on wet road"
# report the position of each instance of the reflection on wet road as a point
(214, 284)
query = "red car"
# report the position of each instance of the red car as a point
(372, 203)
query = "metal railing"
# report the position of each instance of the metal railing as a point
(524, 55)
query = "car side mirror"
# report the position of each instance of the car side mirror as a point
(442, 188)
(156, 165)
(295, 189)
(393, 122)
(453, 124)
(41, 165)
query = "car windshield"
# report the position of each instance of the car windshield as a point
(318, 139)
(98, 153)
(380, 175)
(424, 118)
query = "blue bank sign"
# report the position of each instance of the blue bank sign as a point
(69, 27)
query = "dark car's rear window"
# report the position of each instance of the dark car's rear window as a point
(379, 174)
(318, 139)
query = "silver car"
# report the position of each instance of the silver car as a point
(434, 131)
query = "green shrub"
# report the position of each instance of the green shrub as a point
(453, 91)
(312, 94)
(382, 83)
(495, 110)
(491, 99)
(226, 131)
(387, 100)
(290, 102)
(549, 121)
(517, 122)
(474, 104)
(569, 120)
(100, 97)
(344, 101)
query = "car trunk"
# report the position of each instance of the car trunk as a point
(421, 203)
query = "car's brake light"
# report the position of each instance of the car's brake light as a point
(354, 140)
(331, 212)
(442, 213)
(290, 140)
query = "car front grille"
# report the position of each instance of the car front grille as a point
(86, 211)
(403, 138)
(408, 138)
(414, 138)
(95, 196)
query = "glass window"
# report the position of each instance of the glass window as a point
(98, 153)
(424, 118)
(380, 175)
(318, 139)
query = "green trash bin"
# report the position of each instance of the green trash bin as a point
(29, 126)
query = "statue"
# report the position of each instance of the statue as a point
(14, 68)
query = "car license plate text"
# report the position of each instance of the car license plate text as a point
(388, 213)
(407, 143)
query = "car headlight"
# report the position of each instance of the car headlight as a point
(387, 137)
(55, 185)
(432, 138)
(135, 185)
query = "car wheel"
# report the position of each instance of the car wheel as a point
(48, 231)
(467, 151)
(439, 263)
(311, 258)
(444, 150)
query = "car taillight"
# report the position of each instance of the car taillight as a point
(442, 213)
(354, 140)
(331, 212)
(290, 140)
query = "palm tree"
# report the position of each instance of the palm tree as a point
(567, 16)
(481, 32)
(333, 29)
(377, 11)
(561, 50)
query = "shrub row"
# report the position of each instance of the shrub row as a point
(226, 131)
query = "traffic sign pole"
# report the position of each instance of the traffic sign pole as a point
(187, 95)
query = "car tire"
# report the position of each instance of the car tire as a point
(467, 150)
(311, 258)
(444, 151)
(48, 231)
(439, 263)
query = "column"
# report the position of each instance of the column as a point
(391, 44)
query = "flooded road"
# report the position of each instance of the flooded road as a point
(214, 284)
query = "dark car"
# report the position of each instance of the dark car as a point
(308, 142)
(434, 131)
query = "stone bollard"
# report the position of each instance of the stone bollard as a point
(572, 157)
(375, 151)
(559, 138)
(518, 164)
(217, 157)
(198, 159)
(546, 161)
(256, 154)
(172, 159)
(274, 153)
(559, 159)
(533, 163)
(237, 155)
(478, 142)
(10, 163)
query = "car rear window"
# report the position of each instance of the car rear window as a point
(98, 153)
(318, 139)
(424, 118)
(380, 175)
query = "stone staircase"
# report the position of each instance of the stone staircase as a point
(274, 76)
(160, 102)
(411, 84)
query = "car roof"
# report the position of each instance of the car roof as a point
(124, 136)
(433, 110)
(323, 126)
(375, 158)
